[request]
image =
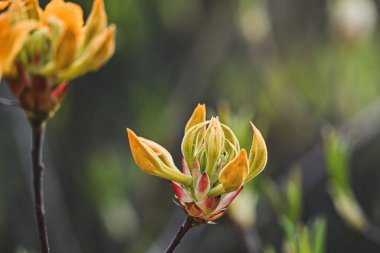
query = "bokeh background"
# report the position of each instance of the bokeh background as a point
(296, 68)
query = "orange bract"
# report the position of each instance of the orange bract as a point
(3, 4)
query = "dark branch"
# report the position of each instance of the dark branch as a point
(183, 229)
(38, 172)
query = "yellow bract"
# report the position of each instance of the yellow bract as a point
(258, 155)
(3, 4)
(234, 173)
(198, 116)
(213, 143)
(152, 158)
(71, 17)
(12, 38)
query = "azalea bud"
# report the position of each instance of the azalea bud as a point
(42, 50)
(98, 51)
(96, 22)
(258, 155)
(12, 38)
(214, 168)
(36, 50)
(194, 138)
(198, 116)
(214, 142)
(192, 141)
(234, 173)
(231, 143)
(154, 159)
(3, 4)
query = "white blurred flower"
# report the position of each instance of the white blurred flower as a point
(351, 20)
(243, 209)
(254, 21)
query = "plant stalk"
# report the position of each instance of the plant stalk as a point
(38, 129)
(183, 229)
(372, 233)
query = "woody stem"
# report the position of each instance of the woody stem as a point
(38, 129)
(183, 229)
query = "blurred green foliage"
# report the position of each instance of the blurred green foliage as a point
(337, 155)
(279, 64)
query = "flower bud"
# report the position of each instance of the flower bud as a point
(258, 155)
(231, 143)
(234, 173)
(3, 4)
(98, 51)
(214, 142)
(192, 141)
(42, 50)
(198, 116)
(154, 159)
(12, 38)
(96, 22)
(214, 167)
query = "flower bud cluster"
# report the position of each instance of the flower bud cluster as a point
(214, 167)
(42, 49)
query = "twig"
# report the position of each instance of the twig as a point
(8, 102)
(372, 233)
(38, 172)
(183, 229)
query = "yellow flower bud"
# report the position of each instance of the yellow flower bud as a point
(258, 155)
(234, 173)
(3, 4)
(231, 143)
(214, 167)
(214, 142)
(198, 116)
(33, 9)
(71, 16)
(154, 159)
(96, 21)
(160, 151)
(12, 38)
(192, 142)
(96, 53)
(47, 48)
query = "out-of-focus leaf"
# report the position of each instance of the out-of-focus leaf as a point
(269, 249)
(318, 234)
(337, 156)
(294, 196)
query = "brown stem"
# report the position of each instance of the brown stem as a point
(372, 233)
(38, 128)
(183, 229)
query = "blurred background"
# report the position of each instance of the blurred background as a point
(305, 72)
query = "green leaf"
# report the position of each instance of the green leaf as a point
(318, 234)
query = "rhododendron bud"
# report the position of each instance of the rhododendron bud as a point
(42, 50)
(214, 168)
